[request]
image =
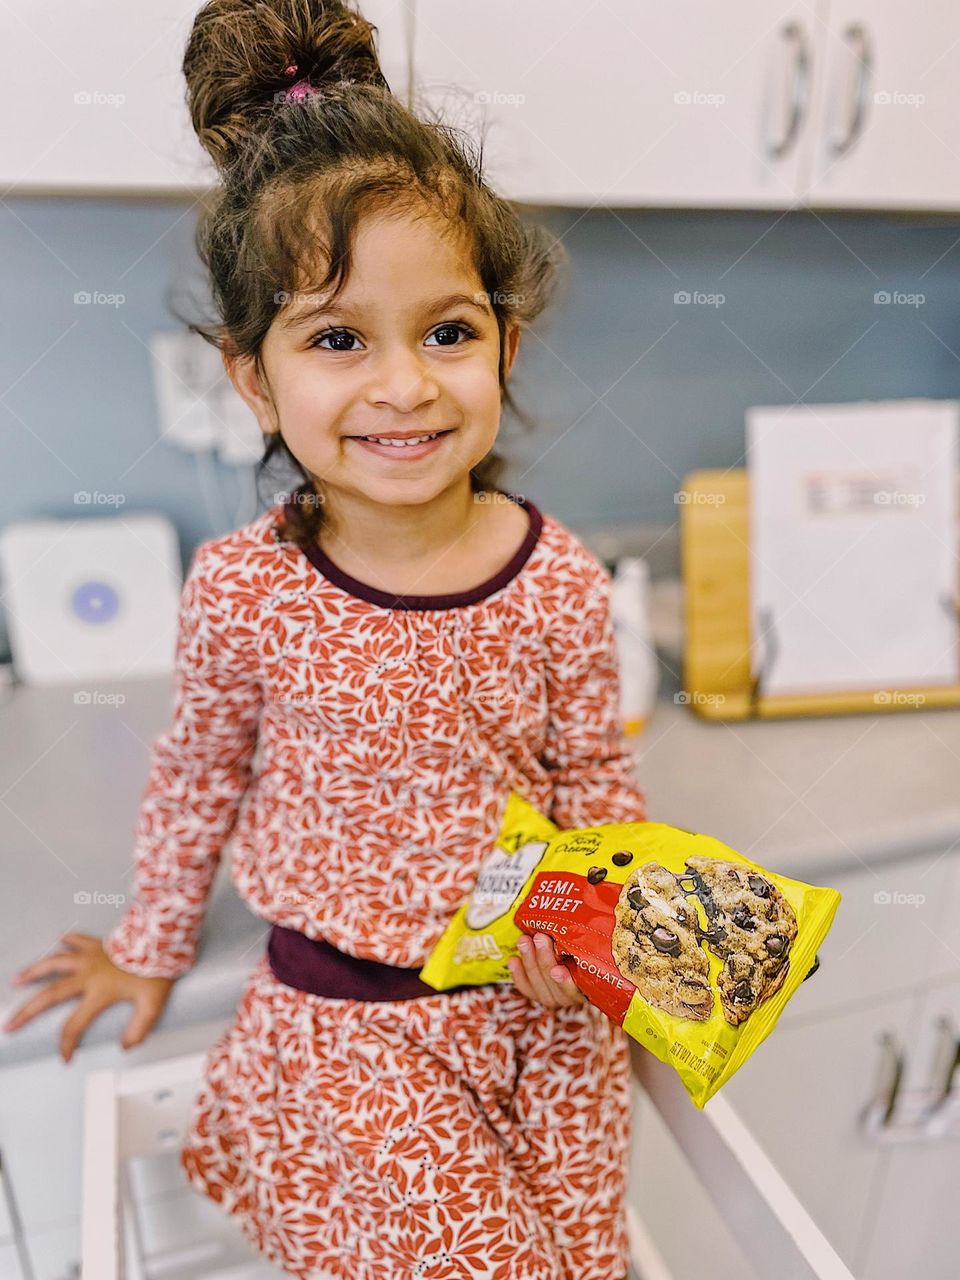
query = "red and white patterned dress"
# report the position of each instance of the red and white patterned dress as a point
(359, 748)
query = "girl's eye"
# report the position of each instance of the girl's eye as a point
(342, 339)
(337, 335)
(454, 328)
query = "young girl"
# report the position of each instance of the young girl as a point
(401, 643)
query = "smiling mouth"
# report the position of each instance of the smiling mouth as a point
(409, 442)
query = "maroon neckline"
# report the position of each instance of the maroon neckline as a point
(450, 600)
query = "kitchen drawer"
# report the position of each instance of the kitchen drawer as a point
(912, 1229)
(801, 1094)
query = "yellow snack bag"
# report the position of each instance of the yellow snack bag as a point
(689, 946)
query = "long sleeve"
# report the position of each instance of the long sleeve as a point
(200, 769)
(586, 749)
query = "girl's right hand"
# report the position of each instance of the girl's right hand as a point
(91, 975)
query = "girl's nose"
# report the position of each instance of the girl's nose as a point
(404, 381)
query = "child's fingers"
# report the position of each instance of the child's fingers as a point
(540, 976)
(526, 973)
(556, 975)
(538, 980)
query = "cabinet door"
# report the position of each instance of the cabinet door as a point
(93, 97)
(801, 1095)
(914, 1215)
(625, 103)
(885, 113)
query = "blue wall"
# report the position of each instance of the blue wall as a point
(798, 321)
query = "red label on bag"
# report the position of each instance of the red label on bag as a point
(579, 917)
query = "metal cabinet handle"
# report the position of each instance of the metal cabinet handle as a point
(792, 35)
(856, 37)
(878, 1113)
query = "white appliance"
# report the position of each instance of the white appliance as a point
(93, 598)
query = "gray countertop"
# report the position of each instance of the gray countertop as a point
(805, 797)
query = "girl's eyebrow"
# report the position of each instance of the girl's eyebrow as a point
(300, 318)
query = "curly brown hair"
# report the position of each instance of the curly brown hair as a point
(295, 174)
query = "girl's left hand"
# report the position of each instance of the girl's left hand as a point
(540, 976)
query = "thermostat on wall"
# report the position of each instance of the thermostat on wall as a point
(91, 598)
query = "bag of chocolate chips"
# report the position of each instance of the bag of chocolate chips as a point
(689, 946)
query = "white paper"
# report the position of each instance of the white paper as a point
(853, 546)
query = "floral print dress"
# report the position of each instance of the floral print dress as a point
(357, 749)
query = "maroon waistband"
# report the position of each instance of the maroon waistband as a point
(316, 966)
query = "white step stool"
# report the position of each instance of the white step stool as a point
(144, 1112)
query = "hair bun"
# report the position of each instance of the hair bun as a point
(239, 54)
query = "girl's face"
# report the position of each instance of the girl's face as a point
(410, 348)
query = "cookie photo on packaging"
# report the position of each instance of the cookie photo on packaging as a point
(692, 948)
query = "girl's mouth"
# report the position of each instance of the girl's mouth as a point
(413, 447)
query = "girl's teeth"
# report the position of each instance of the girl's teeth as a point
(402, 444)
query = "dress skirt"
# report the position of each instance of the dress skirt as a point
(458, 1135)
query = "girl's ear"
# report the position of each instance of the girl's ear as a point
(511, 345)
(245, 376)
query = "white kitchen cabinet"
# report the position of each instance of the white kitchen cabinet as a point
(625, 103)
(883, 128)
(845, 103)
(92, 95)
(920, 1178)
(764, 104)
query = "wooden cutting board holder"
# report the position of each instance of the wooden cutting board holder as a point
(717, 680)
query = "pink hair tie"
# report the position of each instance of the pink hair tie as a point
(297, 92)
(300, 90)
